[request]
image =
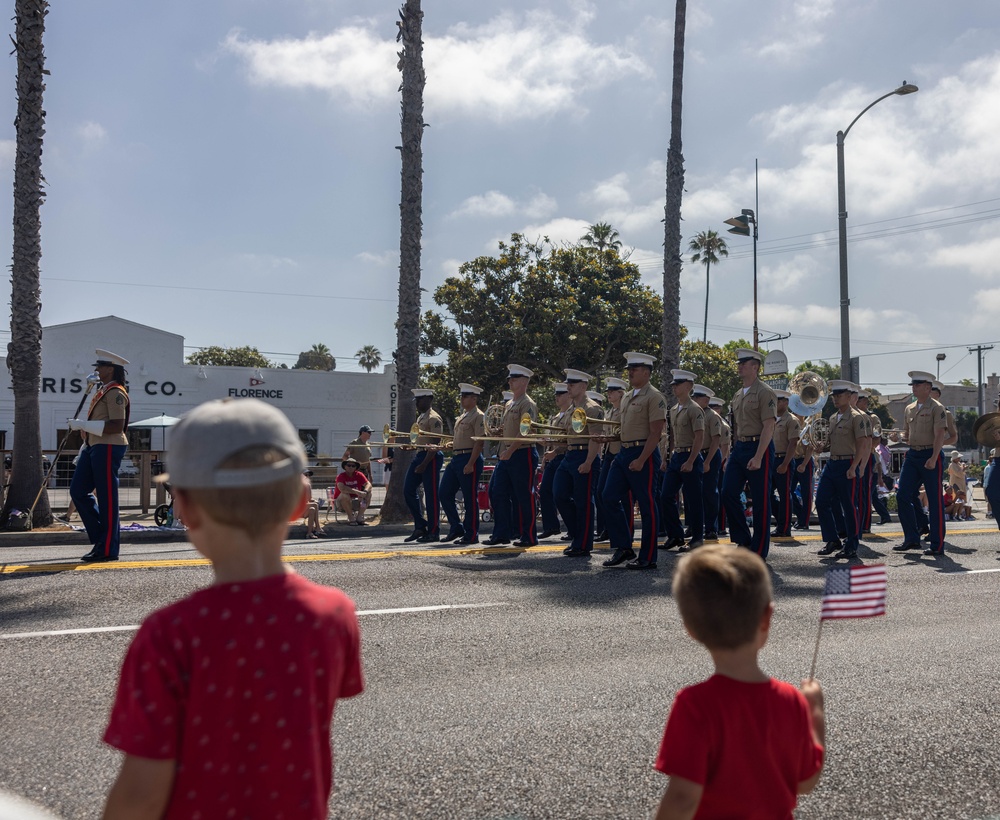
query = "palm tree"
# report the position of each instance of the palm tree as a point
(407, 355)
(672, 261)
(369, 357)
(602, 236)
(24, 355)
(708, 246)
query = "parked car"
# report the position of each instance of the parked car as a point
(128, 468)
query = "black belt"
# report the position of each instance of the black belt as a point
(682, 450)
(748, 438)
(780, 455)
(463, 450)
(705, 452)
(633, 443)
(921, 446)
(577, 446)
(841, 458)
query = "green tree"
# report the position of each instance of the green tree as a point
(714, 366)
(407, 354)
(825, 369)
(230, 357)
(967, 382)
(964, 420)
(544, 307)
(672, 262)
(603, 237)
(708, 246)
(369, 357)
(24, 354)
(318, 357)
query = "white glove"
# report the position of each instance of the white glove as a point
(94, 428)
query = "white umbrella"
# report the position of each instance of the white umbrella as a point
(163, 421)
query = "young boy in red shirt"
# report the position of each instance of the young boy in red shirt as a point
(740, 744)
(226, 698)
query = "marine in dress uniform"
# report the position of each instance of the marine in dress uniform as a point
(686, 466)
(862, 501)
(952, 438)
(578, 473)
(359, 450)
(425, 471)
(725, 447)
(753, 412)
(94, 487)
(869, 491)
(712, 457)
(787, 430)
(802, 479)
(849, 433)
(464, 469)
(615, 390)
(925, 427)
(643, 417)
(554, 453)
(512, 487)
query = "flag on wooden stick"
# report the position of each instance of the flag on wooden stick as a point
(854, 592)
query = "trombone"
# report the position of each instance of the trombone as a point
(413, 435)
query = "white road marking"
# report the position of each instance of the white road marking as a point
(131, 628)
(971, 571)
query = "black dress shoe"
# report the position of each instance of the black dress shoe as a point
(905, 547)
(830, 548)
(566, 537)
(885, 521)
(711, 536)
(933, 552)
(429, 538)
(548, 534)
(620, 557)
(601, 537)
(523, 544)
(96, 558)
(465, 542)
(452, 536)
(641, 565)
(416, 535)
(846, 553)
(780, 534)
(687, 532)
(494, 542)
(801, 527)
(673, 542)
(693, 545)
(925, 531)
(576, 553)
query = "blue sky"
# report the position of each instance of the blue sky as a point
(227, 170)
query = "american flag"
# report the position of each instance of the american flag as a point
(854, 592)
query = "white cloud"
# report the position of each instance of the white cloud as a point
(265, 261)
(984, 308)
(540, 206)
(92, 132)
(494, 204)
(562, 229)
(8, 151)
(799, 30)
(980, 258)
(380, 260)
(511, 68)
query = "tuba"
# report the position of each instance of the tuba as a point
(494, 420)
(809, 393)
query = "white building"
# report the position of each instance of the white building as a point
(327, 408)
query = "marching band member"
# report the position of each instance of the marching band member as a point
(869, 489)
(643, 417)
(575, 479)
(951, 439)
(861, 500)
(615, 392)
(802, 479)
(513, 481)
(725, 446)
(849, 435)
(753, 411)
(685, 469)
(712, 457)
(786, 438)
(464, 469)
(552, 458)
(925, 428)
(424, 470)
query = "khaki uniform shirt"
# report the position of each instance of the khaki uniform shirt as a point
(470, 423)
(952, 427)
(923, 421)
(109, 403)
(611, 414)
(786, 428)
(752, 409)
(639, 409)
(432, 423)
(593, 411)
(713, 428)
(561, 420)
(511, 421)
(360, 451)
(686, 420)
(727, 433)
(873, 419)
(845, 432)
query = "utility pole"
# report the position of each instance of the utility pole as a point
(979, 350)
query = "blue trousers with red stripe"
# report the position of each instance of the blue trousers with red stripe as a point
(911, 476)
(836, 489)
(454, 479)
(737, 476)
(546, 497)
(512, 490)
(691, 484)
(804, 481)
(96, 474)
(783, 490)
(710, 493)
(574, 494)
(429, 479)
(623, 482)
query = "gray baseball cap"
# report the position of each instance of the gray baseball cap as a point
(206, 436)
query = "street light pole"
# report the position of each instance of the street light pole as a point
(845, 301)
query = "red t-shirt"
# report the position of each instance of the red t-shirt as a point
(357, 481)
(237, 684)
(748, 744)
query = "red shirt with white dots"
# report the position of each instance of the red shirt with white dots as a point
(237, 684)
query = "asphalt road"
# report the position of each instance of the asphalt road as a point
(542, 692)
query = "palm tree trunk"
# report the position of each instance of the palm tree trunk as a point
(672, 214)
(411, 63)
(704, 336)
(24, 355)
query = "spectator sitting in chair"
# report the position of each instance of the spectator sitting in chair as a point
(311, 514)
(351, 484)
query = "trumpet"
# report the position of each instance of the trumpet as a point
(878, 431)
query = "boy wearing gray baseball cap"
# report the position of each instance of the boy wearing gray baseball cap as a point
(225, 700)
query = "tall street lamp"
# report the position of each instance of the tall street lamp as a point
(741, 227)
(845, 302)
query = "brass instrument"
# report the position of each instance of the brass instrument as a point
(987, 430)
(878, 431)
(809, 393)
(411, 437)
(816, 434)
(494, 420)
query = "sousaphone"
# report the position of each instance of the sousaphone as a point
(987, 430)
